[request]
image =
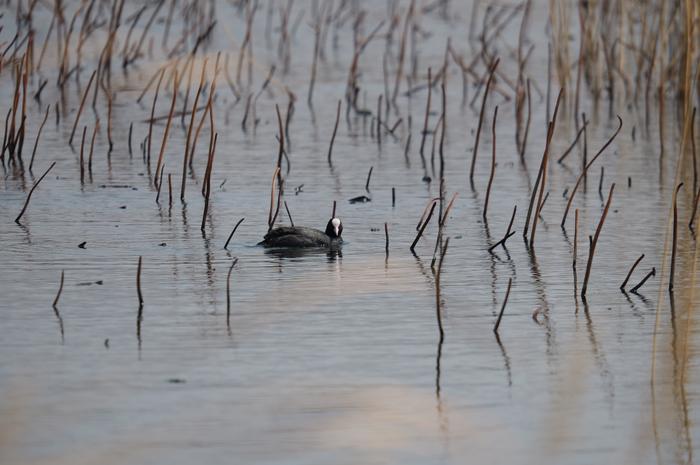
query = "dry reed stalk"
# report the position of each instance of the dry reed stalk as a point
(289, 215)
(423, 226)
(585, 169)
(318, 26)
(153, 110)
(82, 149)
(629, 273)
(228, 292)
(232, 233)
(492, 70)
(644, 280)
(386, 238)
(189, 131)
(170, 190)
(92, 147)
(138, 285)
(80, 108)
(369, 177)
(38, 135)
(402, 51)
(31, 191)
(503, 307)
(427, 113)
(207, 180)
(493, 164)
(508, 233)
(576, 139)
(159, 165)
(272, 200)
(550, 133)
(594, 242)
(110, 98)
(527, 122)
(675, 237)
(575, 258)
(335, 130)
(159, 183)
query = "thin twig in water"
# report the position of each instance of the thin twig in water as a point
(232, 232)
(594, 242)
(493, 164)
(629, 274)
(228, 293)
(423, 226)
(138, 282)
(31, 191)
(335, 130)
(641, 283)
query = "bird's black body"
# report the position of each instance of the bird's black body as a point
(300, 236)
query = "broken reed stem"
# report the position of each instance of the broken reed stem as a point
(492, 70)
(575, 142)
(138, 283)
(31, 191)
(335, 130)
(80, 108)
(386, 238)
(550, 133)
(281, 152)
(369, 177)
(508, 233)
(527, 122)
(585, 169)
(131, 130)
(230, 236)
(423, 226)
(38, 135)
(60, 290)
(493, 164)
(539, 185)
(629, 274)
(575, 241)
(644, 280)
(503, 307)
(288, 214)
(228, 292)
(207, 181)
(594, 242)
(82, 149)
(92, 147)
(159, 183)
(424, 134)
(189, 131)
(272, 200)
(159, 165)
(675, 237)
(170, 190)
(150, 124)
(333, 213)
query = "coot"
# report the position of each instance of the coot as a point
(300, 236)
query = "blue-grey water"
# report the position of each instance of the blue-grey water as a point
(335, 358)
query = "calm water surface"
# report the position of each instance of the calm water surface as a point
(336, 358)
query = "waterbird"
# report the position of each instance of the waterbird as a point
(301, 236)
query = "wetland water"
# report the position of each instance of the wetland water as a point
(336, 358)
